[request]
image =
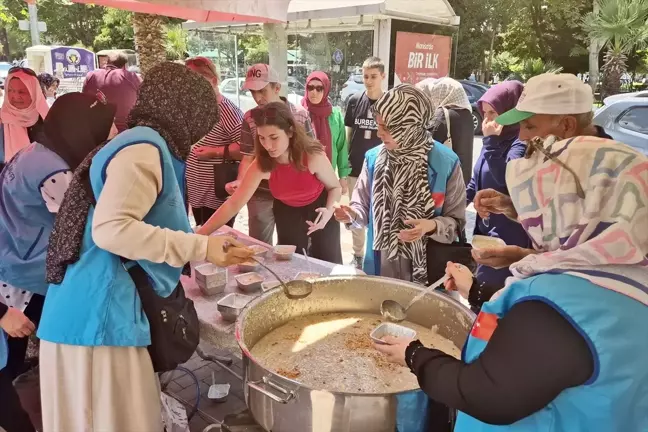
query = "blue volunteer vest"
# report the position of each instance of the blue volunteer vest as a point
(615, 398)
(25, 221)
(441, 162)
(97, 303)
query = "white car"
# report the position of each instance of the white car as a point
(352, 86)
(244, 100)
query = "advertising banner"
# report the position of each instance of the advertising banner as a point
(72, 62)
(420, 56)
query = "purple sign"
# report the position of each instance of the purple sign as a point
(72, 62)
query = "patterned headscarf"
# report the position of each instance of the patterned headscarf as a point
(400, 187)
(445, 93)
(587, 208)
(177, 103)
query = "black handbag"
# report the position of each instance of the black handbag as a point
(175, 329)
(438, 255)
(224, 172)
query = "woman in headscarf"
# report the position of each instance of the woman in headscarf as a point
(23, 110)
(451, 105)
(328, 123)
(49, 85)
(206, 157)
(126, 200)
(32, 188)
(411, 189)
(562, 348)
(500, 146)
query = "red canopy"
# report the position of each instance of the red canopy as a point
(205, 10)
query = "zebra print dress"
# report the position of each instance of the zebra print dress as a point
(401, 189)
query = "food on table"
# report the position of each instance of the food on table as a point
(334, 351)
(284, 252)
(249, 279)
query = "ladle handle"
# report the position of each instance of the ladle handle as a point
(262, 264)
(432, 287)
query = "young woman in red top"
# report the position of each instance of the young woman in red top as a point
(302, 182)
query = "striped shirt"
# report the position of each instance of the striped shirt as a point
(200, 173)
(248, 135)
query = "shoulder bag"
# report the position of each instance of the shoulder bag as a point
(224, 172)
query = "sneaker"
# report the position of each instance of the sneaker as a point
(357, 262)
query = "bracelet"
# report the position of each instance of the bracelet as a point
(417, 346)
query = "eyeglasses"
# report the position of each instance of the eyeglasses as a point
(540, 144)
(22, 69)
(318, 89)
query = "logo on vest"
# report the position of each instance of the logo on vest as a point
(484, 326)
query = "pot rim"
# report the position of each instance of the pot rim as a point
(238, 331)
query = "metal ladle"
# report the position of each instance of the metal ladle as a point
(395, 312)
(295, 289)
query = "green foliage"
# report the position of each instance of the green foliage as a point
(509, 66)
(117, 31)
(255, 48)
(176, 42)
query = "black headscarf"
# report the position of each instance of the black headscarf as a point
(175, 102)
(179, 104)
(75, 125)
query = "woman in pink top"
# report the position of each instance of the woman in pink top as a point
(302, 182)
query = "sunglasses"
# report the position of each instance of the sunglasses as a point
(540, 144)
(22, 69)
(318, 89)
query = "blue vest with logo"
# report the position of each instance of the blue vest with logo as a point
(441, 164)
(615, 398)
(97, 303)
(25, 221)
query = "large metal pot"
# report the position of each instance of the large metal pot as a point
(282, 405)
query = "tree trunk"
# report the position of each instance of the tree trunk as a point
(594, 50)
(149, 40)
(4, 41)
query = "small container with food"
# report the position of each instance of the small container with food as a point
(284, 252)
(210, 278)
(391, 329)
(267, 286)
(231, 305)
(249, 266)
(249, 281)
(308, 276)
(259, 251)
(480, 242)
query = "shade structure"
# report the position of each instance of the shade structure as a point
(238, 11)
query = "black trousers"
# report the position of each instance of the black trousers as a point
(13, 417)
(18, 346)
(202, 215)
(292, 228)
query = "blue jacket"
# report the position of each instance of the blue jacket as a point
(25, 221)
(97, 303)
(490, 173)
(441, 162)
(615, 398)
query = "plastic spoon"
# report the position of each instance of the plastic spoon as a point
(394, 311)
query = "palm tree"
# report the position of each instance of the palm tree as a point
(619, 26)
(176, 42)
(150, 41)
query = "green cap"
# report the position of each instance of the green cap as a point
(512, 117)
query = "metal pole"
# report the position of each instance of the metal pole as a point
(33, 22)
(236, 68)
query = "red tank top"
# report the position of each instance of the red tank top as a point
(294, 187)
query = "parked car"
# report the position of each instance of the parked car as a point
(475, 90)
(626, 120)
(228, 89)
(352, 86)
(4, 71)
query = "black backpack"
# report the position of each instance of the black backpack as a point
(173, 321)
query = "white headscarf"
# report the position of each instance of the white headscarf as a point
(445, 92)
